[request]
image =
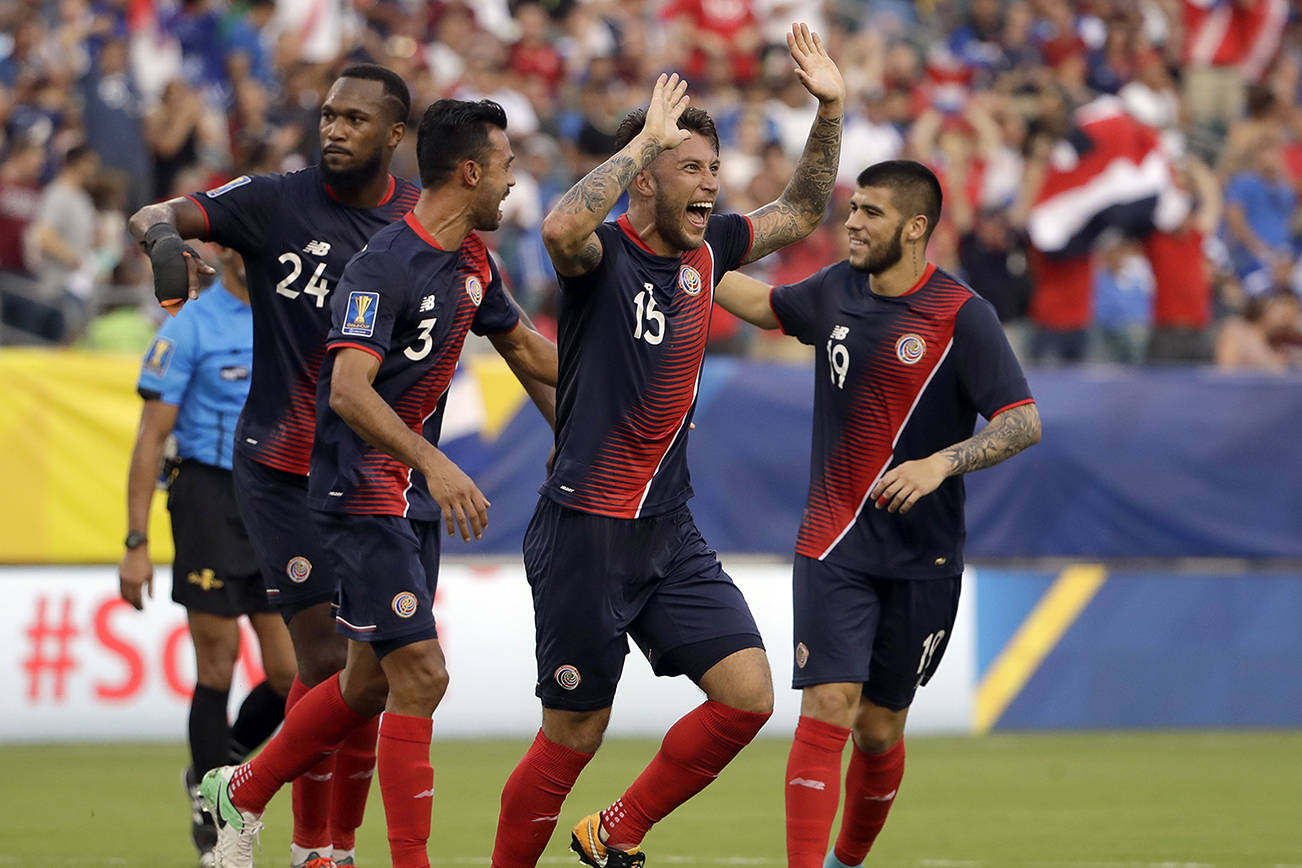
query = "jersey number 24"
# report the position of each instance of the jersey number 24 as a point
(316, 286)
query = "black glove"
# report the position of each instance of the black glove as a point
(166, 251)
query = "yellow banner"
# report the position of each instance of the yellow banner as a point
(68, 421)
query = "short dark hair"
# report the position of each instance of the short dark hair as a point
(914, 188)
(451, 131)
(78, 153)
(694, 119)
(395, 89)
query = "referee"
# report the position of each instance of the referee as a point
(194, 380)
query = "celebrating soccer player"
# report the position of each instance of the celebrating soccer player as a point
(379, 485)
(612, 549)
(296, 232)
(907, 358)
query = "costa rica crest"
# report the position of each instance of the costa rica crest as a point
(910, 348)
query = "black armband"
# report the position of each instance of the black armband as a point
(166, 251)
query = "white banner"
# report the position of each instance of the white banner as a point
(82, 665)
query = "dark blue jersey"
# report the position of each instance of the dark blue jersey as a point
(409, 303)
(295, 238)
(631, 340)
(896, 379)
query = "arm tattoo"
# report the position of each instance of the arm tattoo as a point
(589, 257)
(598, 191)
(800, 208)
(1007, 434)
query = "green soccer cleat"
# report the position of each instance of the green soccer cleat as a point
(237, 831)
(586, 841)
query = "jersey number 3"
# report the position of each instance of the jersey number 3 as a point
(315, 285)
(650, 321)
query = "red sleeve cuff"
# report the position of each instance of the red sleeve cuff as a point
(1011, 406)
(339, 345)
(207, 224)
(777, 316)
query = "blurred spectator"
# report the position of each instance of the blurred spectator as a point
(126, 323)
(994, 262)
(64, 237)
(20, 197)
(707, 29)
(1227, 44)
(1122, 301)
(172, 131)
(1260, 204)
(1267, 336)
(112, 114)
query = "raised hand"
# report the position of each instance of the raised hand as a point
(669, 100)
(814, 68)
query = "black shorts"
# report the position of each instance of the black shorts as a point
(215, 570)
(886, 634)
(294, 567)
(598, 580)
(388, 568)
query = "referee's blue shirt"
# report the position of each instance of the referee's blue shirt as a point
(200, 362)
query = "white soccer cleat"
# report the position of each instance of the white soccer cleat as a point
(237, 831)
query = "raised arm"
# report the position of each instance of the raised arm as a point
(569, 229)
(1007, 434)
(161, 229)
(801, 207)
(355, 400)
(747, 298)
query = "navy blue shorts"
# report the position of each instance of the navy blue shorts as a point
(388, 568)
(273, 504)
(853, 628)
(598, 580)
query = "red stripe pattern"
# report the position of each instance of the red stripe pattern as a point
(875, 413)
(626, 464)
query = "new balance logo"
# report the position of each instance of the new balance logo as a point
(885, 798)
(317, 248)
(320, 778)
(806, 782)
(428, 794)
(552, 819)
(427, 304)
(840, 332)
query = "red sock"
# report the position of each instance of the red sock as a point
(310, 793)
(313, 729)
(871, 782)
(406, 786)
(531, 801)
(813, 790)
(354, 767)
(694, 751)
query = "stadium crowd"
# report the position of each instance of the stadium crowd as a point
(1020, 107)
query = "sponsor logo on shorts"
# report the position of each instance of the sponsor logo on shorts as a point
(205, 579)
(359, 317)
(474, 289)
(298, 569)
(910, 348)
(568, 676)
(802, 655)
(689, 280)
(404, 604)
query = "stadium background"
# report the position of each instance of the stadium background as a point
(1140, 569)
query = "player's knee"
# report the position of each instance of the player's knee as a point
(878, 729)
(831, 703)
(578, 730)
(280, 674)
(421, 684)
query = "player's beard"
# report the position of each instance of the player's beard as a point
(354, 177)
(878, 261)
(669, 223)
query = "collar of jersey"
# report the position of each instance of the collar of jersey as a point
(384, 200)
(411, 221)
(922, 281)
(627, 226)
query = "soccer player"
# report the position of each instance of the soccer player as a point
(612, 549)
(194, 380)
(379, 484)
(296, 232)
(907, 358)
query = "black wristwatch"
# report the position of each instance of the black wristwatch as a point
(135, 539)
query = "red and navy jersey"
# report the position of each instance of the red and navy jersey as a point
(896, 379)
(295, 238)
(631, 339)
(409, 303)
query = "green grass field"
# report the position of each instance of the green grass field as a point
(1165, 800)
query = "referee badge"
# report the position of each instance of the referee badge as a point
(689, 280)
(359, 317)
(910, 348)
(159, 356)
(474, 289)
(404, 604)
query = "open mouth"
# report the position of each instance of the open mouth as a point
(698, 213)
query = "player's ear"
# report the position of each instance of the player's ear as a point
(917, 229)
(644, 183)
(471, 172)
(396, 133)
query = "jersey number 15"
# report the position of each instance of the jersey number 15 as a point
(316, 286)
